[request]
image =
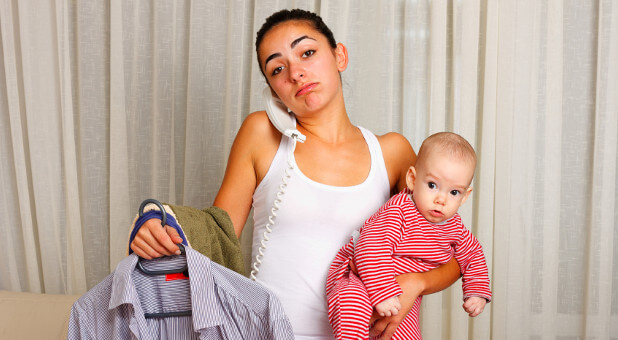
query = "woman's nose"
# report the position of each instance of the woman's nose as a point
(296, 72)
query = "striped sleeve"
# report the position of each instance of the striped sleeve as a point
(374, 253)
(469, 255)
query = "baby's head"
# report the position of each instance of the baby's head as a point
(442, 177)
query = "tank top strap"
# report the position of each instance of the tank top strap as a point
(377, 158)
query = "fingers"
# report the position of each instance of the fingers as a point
(377, 326)
(352, 265)
(172, 240)
(397, 306)
(389, 331)
(173, 234)
(383, 327)
(472, 312)
(474, 306)
(374, 317)
(164, 237)
(389, 312)
(476, 311)
(153, 241)
(143, 249)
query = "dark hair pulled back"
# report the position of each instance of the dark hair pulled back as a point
(294, 15)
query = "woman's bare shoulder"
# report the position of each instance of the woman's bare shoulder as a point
(256, 131)
(395, 145)
(261, 139)
(257, 123)
(398, 157)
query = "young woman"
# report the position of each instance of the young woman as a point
(341, 175)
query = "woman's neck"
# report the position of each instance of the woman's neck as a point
(330, 125)
(330, 129)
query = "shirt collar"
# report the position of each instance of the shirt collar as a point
(124, 292)
(203, 290)
(123, 289)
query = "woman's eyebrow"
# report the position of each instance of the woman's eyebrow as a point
(292, 45)
(271, 57)
(295, 42)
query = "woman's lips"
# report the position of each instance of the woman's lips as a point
(306, 89)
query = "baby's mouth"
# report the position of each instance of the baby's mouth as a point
(436, 213)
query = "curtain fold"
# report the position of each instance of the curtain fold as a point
(106, 103)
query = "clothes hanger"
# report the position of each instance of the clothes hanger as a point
(140, 266)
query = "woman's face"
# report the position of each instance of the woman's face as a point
(301, 67)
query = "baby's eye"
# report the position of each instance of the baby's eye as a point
(277, 70)
(308, 53)
(455, 192)
(432, 185)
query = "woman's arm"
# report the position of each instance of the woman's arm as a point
(413, 286)
(432, 281)
(252, 153)
(247, 164)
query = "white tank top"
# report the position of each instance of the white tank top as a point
(314, 220)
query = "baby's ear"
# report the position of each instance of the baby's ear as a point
(411, 178)
(466, 194)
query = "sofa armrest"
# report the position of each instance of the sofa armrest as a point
(34, 316)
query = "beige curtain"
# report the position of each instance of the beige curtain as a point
(106, 103)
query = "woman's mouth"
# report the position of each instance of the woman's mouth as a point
(306, 89)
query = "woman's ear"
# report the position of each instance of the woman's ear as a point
(411, 178)
(341, 53)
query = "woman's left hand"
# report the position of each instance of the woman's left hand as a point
(385, 327)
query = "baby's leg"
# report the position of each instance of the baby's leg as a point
(409, 328)
(349, 309)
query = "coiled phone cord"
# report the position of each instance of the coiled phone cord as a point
(273, 211)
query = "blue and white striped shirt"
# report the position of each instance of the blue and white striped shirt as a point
(224, 304)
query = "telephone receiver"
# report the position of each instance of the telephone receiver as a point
(280, 117)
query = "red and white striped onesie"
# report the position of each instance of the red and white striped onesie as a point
(397, 240)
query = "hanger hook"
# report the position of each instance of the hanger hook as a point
(158, 204)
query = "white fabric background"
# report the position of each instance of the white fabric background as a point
(105, 103)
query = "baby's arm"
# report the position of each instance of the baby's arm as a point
(474, 305)
(388, 307)
(475, 281)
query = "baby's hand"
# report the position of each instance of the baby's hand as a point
(388, 307)
(474, 305)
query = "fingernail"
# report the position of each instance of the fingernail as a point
(177, 252)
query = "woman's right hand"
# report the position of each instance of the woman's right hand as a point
(152, 241)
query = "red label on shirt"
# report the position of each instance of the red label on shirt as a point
(176, 276)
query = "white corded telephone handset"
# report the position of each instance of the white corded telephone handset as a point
(285, 122)
(280, 117)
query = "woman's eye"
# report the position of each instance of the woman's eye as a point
(277, 70)
(432, 185)
(308, 53)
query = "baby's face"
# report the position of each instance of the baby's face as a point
(441, 186)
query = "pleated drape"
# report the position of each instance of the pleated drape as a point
(106, 103)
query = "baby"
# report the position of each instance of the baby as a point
(415, 231)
